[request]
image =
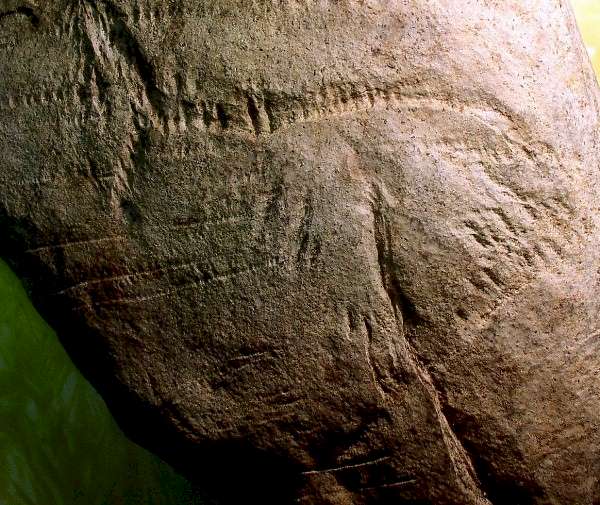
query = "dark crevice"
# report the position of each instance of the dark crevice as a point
(222, 116)
(498, 489)
(408, 319)
(25, 11)
(140, 142)
(403, 306)
(458, 429)
(262, 476)
(338, 453)
(404, 310)
(368, 328)
(207, 117)
(131, 212)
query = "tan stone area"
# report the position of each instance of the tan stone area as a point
(322, 252)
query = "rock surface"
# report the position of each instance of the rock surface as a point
(318, 251)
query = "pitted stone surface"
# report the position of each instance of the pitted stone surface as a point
(318, 251)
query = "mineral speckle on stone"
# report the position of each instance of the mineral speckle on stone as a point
(318, 251)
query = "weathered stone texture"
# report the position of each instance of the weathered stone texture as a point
(318, 251)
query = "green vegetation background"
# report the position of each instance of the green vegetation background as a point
(58, 442)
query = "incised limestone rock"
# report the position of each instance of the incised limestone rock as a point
(318, 251)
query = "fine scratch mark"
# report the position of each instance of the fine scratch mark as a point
(244, 357)
(400, 483)
(226, 277)
(76, 244)
(243, 360)
(285, 399)
(128, 276)
(204, 225)
(347, 467)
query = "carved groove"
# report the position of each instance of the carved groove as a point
(348, 467)
(203, 225)
(407, 320)
(202, 279)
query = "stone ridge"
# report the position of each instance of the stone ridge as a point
(323, 252)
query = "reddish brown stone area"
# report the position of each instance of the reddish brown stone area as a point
(318, 251)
